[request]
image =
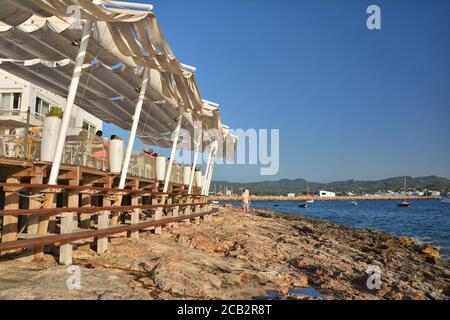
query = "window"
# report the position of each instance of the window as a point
(90, 128)
(10, 100)
(41, 107)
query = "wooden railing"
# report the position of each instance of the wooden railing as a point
(85, 204)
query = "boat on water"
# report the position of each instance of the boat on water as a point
(310, 200)
(354, 203)
(303, 205)
(445, 200)
(404, 203)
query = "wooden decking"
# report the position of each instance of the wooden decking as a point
(85, 204)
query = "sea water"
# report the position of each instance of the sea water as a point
(426, 221)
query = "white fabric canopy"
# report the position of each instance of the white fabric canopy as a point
(124, 41)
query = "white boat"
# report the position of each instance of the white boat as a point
(354, 203)
(404, 203)
(308, 201)
(445, 200)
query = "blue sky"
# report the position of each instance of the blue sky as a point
(350, 103)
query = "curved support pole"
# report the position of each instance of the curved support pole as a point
(176, 135)
(79, 60)
(208, 166)
(137, 114)
(197, 151)
(210, 176)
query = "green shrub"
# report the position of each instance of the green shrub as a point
(55, 112)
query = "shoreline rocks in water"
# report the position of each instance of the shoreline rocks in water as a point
(262, 255)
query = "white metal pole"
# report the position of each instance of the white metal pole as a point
(85, 36)
(208, 165)
(197, 151)
(210, 176)
(137, 114)
(211, 168)
(172, 153)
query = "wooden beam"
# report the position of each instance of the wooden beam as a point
(9, 230)
(49, 202)
(67, 225)
(136, 212)
(103, 223)
(65, 238)
(55, 211)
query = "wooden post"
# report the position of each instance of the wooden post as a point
(136, 212)
(103, 223)
(115, 214)
(197, 210)
(85, 218)
(169, 211)
(49, 200)
(158, 213)
(205, 208)
(187, 210)
(67, 225)
(175, 211)
(35, 203)
(9, 231)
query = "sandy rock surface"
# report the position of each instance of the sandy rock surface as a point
(263, 255)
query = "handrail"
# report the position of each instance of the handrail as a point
(69, 237)
(55, 211)
(58, 187)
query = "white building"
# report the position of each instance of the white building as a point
(17, 95)
(323, 193)
(291, 195)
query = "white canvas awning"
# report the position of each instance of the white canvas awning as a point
(37, 44)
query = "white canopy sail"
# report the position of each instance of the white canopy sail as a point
(37, 44)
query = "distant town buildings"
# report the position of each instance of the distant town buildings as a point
(329, 194)
(291, 195)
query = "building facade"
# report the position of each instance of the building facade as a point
(18, 95)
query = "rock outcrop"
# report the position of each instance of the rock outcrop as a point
(262, 255)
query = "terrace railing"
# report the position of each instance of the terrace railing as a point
(82, 149)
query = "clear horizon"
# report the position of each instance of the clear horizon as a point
(350, 103)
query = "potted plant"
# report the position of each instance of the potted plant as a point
(115, 154)
(50, 133)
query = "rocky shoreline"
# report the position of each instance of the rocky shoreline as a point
(260, 256)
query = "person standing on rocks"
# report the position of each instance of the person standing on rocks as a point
(246, 201)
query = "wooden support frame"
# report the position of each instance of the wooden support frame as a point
(9, 230)
(136, 212)
(80, 186)
(55, 239)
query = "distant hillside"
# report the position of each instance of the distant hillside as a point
(285, 186)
